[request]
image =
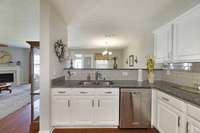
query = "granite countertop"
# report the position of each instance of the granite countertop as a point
(167, 87)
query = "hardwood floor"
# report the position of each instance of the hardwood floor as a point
(18, 122)
(104, 131)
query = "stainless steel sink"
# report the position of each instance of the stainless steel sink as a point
(98, 83)
(105, 83)
(189, 89)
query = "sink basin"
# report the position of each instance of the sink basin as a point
(99, 83)
(189, 89)
(105, 83)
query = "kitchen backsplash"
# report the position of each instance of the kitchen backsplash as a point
(185, 78)
(111, 74)
(181, 77)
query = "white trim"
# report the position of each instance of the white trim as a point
(80, 127)
(44, 131)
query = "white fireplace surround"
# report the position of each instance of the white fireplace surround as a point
(12, 69)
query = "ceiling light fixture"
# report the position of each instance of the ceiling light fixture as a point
(106, 52)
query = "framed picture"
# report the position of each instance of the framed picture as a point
(131, 60)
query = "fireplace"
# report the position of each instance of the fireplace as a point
(6, 77)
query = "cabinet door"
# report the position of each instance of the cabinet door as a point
(82, 110)
(163, 44)
(193, 126)
(186, 36)
(168, 119)
(61, 111)
(107, 111)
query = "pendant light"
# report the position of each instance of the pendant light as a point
(106, 52)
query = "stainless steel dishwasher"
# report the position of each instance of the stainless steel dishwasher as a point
(135, 108)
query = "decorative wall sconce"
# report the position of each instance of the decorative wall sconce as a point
(60, 50)
(132, 60)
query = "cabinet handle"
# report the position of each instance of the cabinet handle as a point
(165, 99)
(108, 92)
(83, 92)
(92, 103)
(187, 127)
(61, 92)
(99, 103)
(179, 118)
(69, 103)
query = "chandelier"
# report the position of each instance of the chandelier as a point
(106, 52)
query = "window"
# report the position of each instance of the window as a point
(36, 63)
(78, 63)
(102, 64)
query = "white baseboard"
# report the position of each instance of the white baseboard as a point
(44, 131)
(77, 127)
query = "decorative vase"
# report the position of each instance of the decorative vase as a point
(151, 77)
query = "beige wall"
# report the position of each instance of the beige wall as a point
(58, 30)
(44, 66)
(52, 28)
(140, 48)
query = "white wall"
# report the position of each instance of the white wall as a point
(58, 30)
(140, 48)
(44, 66)
(52, 28)
(115, 53)
(22, 55)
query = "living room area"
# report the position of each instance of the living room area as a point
(19, 57)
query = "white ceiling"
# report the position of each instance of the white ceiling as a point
(19, 22)
(127, 20)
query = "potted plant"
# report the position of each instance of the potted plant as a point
(150, 68)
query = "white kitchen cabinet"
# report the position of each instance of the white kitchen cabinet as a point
(61, 111)
(85, 107)
(163, 44)
(174, 115)
(193, 126)
(169, 120)
(107, 110)
(82, 110)
(186, 40)
(193, 119)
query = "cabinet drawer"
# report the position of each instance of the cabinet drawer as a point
(180, 105)
(61, 91)
(83, 91)
(193, 112)
(107, 92)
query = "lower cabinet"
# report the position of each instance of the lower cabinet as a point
(107, 110)
(168, 119)
(82, 110)
(86, 108)
(176, 116)
(61, 110)
(193, 126)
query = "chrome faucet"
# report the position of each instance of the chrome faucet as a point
(98, 76)
(197, 86)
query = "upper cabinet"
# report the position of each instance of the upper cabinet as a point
(179, 41)
(187, 36)
(163, 44)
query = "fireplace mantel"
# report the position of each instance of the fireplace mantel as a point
(12, 69)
